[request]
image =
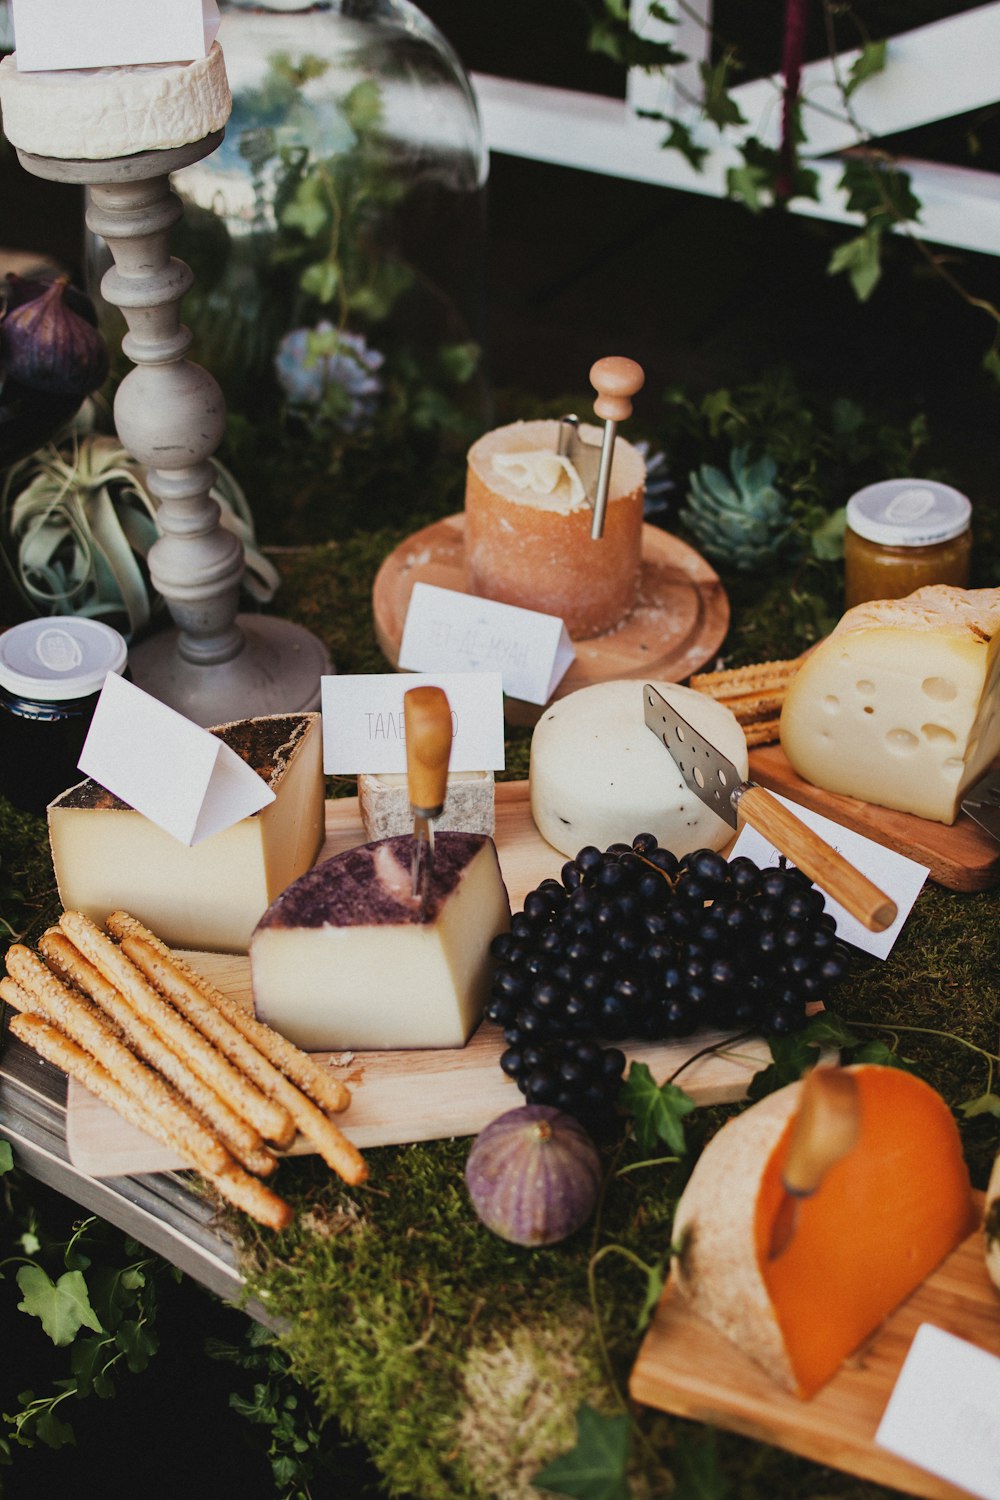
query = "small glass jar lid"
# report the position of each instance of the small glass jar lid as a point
(59, 657)
(908, 512)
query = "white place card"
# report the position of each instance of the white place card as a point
(57, 34)
(175, 773)
(446, 631)
(944, 1412)
(895, 874)
(363, 726)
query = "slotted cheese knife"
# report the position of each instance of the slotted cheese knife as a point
(715, 780)
(427, 725)
(824, 1130)
(982, 802)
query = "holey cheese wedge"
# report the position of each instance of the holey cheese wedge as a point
(108, 857)
(900, 705)
(882, 1219)
(347, 957)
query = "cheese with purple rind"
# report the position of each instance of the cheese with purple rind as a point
(348, 958)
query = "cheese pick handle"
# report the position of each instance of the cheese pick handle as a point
(616, 380)
(427, 723)
(824, 1130)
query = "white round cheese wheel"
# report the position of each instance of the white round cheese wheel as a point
(92, 114)
(599, 776)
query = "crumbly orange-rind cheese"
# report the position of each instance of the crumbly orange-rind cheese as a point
(900, 705)
(92, 114)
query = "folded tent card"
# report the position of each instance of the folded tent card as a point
(180, 776)
(364, 726)
(61, 34)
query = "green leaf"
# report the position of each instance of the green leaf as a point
(871, 60)
(656, 1109)
(138, 1343)
(826, 542)
(880, 1052)
(717, 102)
(697, 1471)
(308, 209)
(459, 362)
(6, 1158)
(861, 259)
(63, 1306)
(792, 1055)
(53, 1432)
(680, 139)
(986, 1104)
(89, 1359)
(362, 107)
(749, 183)
(991, 363)
(655, 1278)
(320, 280)
(595, 1469)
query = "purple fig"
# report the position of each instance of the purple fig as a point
(46, 345)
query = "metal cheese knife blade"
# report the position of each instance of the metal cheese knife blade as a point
(982, 802)
(715, 780)
(427, 724)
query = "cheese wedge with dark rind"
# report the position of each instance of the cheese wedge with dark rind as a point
(347, 958)
(210, 895)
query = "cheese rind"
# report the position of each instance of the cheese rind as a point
(93, 114)
(900, 705)
(469, 805)
(347, 958)
(107, 856)
(598, 776)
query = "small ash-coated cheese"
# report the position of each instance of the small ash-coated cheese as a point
(469, 805)
(347, 957)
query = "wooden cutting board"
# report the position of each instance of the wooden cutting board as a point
(961, 856)
(686, 1367)
(413, 1095)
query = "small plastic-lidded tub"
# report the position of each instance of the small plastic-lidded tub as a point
(902, 534)
(51, 674)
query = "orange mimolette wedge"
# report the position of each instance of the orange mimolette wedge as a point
(800, 1293)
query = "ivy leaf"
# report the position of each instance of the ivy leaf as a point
(828, 1030)
(595, 1468)
(826, 542)
(138, 1343)
(792, 1055)
(53, 1432)
(717, 102)
(656, 1109)
(680, 139)
(655, 1278)
(362, 106)
(6, 1158)
(88, 1361)
(986, 1104)
(320, 280)
(307, 210)
(870, 60)
(749, 183)
(880, 1052)
(697, 1471)
(861, 259)
(63, 1306)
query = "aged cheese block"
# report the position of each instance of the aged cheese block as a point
(347, 958)
(469, 805)
(108, 856)
(97, 113)
(882, 1219)
(531, 546)
(598, 776)
(900, 705)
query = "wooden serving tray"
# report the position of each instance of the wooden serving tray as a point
(687, 1367)
(412, 1095)
(961, 856)
(678, 624)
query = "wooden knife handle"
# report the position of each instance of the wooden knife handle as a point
(824, 1129)
(817, 859)
(427, 722)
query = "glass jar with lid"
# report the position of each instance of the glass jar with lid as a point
(903, 534)
(51, 674)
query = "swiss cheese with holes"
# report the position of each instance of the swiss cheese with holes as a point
(900, 705)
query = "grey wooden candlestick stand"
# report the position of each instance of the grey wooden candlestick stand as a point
(170, 415)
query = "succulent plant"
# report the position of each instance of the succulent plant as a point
(740, 519)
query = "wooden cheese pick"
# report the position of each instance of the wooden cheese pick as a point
(616, 380)
(823, 1132)
(427, 723)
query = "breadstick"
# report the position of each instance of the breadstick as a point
(169, 1126)
(241, 1139)
(312, 1078)
(81, 1022)
(269, 1118)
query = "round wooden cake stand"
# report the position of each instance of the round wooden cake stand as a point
(679, 621)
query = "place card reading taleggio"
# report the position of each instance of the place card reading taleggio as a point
(446, 631)
(895, 874)
(57, 34)
(944, 1412)
(175, 773)
(363, 726)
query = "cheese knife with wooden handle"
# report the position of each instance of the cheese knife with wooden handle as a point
(716, 781)
(824, 1130)
(427, 725)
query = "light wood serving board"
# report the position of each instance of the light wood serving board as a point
(961, 856)
(686, 1367)
(412, 1095)
(679, 621)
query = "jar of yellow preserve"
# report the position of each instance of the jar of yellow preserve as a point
(902, 534)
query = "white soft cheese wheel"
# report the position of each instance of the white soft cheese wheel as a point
(599, 776)
(93, 114)
(900, 705)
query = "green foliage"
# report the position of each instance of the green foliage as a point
(739, 518)
(596, 1467)
(657, 1110)
(698, 1468)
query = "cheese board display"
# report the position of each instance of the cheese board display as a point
(687, 1367)
(420, 1094)
(677, 624)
